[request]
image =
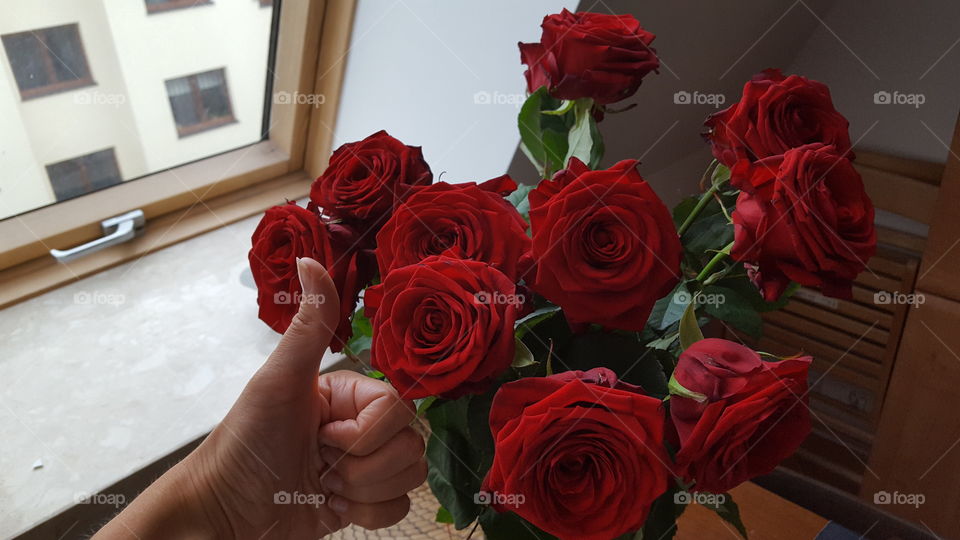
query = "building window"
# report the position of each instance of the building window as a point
(155, 6)
(48, 60)
(200, 102)
(81, 175)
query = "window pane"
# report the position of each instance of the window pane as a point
(25, 53)
(66, 54)
(77, 176)
(160, 88)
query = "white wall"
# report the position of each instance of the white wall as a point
(890, 46)
(432, 73)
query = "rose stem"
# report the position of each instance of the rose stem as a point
(704, 200)
(714, 261)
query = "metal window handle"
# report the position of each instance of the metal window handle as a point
(116, 230)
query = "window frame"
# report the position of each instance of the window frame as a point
(59, 86)
(171, 5)
(202, 125)
(312, 43)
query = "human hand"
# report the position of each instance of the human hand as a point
(298, 455)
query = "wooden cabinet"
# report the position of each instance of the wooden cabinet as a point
(917, 448)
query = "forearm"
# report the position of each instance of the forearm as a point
(180, 504)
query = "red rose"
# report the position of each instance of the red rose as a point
(287, 232)
(803, 216)
(753, 414)
(774, 115)
(589, 55)
(604, 244)
(464, 221)
(578, 454)
(365, 179)
(443, 326)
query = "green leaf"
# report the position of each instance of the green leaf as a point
(677, 389)
(710, 232)
(455, 466)
(362, 338)
(661, 522)
(519, 199)
(522, 357)
(624, 354)
(424, 404)
(525, 324)
(689, 328)
(663, 343)
(374, 374)
(543, 137)
(683, 209)
(676, 304)
(728, 511)
(565, 106)
(727, 305)
(580, 140)
(720, 175)
(509, 525)
(444, 516)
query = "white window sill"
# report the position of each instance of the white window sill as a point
(105, 376)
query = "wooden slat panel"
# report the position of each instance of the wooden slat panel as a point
(819, 349)
(858, 343)
(900, 194)
(845, 312)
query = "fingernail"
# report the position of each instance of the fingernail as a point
(338, 504)
(300, 273)
(332, 481)
(329, 455)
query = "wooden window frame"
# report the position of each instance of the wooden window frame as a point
(185, 201)
(48, 64)
(204, 125)
(171, 5)
(84, 169)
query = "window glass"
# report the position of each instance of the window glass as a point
(159, 85)
(75, 177)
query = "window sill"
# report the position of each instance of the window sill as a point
(112, 373)
(186, 131)
(56, 88)
(173, 5)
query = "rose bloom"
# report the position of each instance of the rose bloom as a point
(365, 179)
(580, 452)
(775, 114)
(464, 221)
(604, 245)
(287, 232)
(443, 326)
(589, 55)
(803, 216)
(753, 416)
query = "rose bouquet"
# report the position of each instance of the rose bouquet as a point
(551, 333)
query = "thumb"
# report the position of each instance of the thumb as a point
(308, 336)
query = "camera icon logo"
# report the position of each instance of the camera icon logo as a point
(482, 98)
(482, 497)
(282, 298)
(682, 97)
(882, 497)
(882, 298)
(882, 97)
(283, 98)
(483, 297)
(682, 297)
(683, 497)
(281, 497)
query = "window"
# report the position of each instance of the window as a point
(77, 176)
(47, 61)
(154, 6)
(200, 102)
